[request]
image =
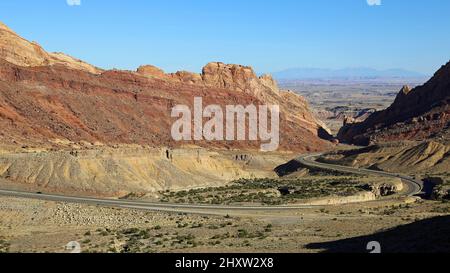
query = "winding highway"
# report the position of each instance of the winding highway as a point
(412, 187)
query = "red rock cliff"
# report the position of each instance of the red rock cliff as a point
(417, 114)
(44, 98)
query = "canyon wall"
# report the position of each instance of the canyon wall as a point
(45, 97)
(421, 113)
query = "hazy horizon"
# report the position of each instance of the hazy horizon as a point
(271, 37)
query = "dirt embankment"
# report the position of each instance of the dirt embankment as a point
(398, 157)
(119, 172)
(333, 200)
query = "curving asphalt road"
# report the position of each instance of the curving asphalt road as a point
(412, 187)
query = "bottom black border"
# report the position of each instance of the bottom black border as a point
(167, 262)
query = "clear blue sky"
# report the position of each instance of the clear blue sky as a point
(269, 35)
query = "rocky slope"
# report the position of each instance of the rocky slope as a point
(48, 99)
(19, 51)
(398, 157)
(121, 171)
(418, 114)
(343, 113)
(233, 77)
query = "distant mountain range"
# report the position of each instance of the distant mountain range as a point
(346, 73)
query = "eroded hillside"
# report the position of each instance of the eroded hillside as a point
(133, 170)
(418, 114)
(42, 101)
(405, 157)
(68, 126)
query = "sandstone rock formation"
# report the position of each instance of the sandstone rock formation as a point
(346, 114)
(48, 99)
(394, 186)
(19, 51)
(417, 114)
(151, 71)
(236, 77)
(187, 77)
(349, 120)
(120, 171)
(268, 81)
(396, 157)
(219, 75)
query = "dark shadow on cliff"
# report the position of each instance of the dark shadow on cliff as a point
(323, 134)
(425, 236)
(288, 168)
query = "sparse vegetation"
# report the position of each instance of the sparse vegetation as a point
(4, 245)
(267, 191)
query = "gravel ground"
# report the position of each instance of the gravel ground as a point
(41, 226)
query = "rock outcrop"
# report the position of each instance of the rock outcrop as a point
(269, 82)
(120, 171)
(151, 71)
(417, 114)
(187, 77)
(218, 75)
(396, 157)
(236, 77)
(19, 51)
(386, 189)
(441, 192)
